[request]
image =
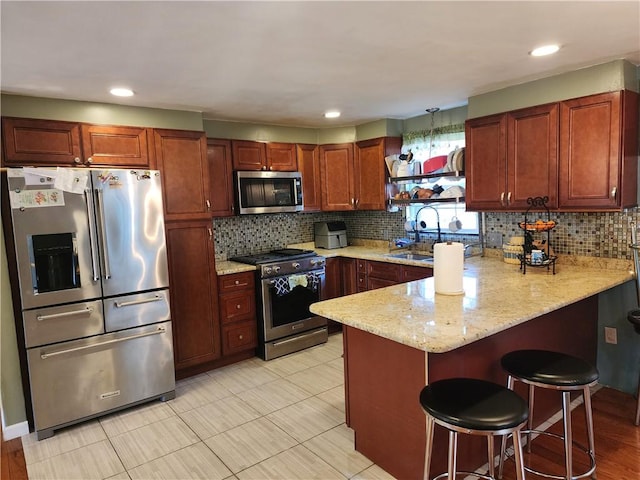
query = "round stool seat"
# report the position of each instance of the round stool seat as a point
(549, 368)
(473, 404)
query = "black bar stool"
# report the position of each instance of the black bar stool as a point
(634, 317)
(475, 407)
(556, 371)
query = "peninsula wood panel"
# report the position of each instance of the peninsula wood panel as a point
(383, 380)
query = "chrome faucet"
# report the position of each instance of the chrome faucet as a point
(417, 233)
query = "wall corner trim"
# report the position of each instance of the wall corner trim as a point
(9, 432)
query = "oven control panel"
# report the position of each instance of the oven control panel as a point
(301, 265)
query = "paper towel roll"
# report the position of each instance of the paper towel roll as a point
(448, 266)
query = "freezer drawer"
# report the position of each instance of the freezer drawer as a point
(59, 324)
(75, 380)
(136, 310)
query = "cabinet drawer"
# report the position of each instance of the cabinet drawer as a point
(236, 282)
(237, 306)
(239, 337)
(384, 271)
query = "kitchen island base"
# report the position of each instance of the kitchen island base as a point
(383, 379)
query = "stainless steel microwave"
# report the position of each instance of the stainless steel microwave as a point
(269, 192)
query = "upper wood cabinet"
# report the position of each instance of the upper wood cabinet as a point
(220, 177)
(370, 172)
(281, 157)
(57, 143)
(309, 166)
(182, 159)
(264, 156)
(356, 181)
(598, 152)
(581, 153)
(337, 177)
(249, 155)
(511, 157)
(117, 146)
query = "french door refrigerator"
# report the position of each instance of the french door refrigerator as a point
(91, 269)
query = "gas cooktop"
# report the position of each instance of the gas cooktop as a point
(278, 255)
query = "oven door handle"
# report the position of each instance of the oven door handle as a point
(296, 339)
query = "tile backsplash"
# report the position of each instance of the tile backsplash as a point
(605, 235)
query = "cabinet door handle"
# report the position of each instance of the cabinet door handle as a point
(509, 198)
(614, 191)
(240, 337)
(238, 306)
(210, 232)
(237, 282)
(502, 199)
(357, 202)
(76, 160)
(208, 203)
(90, 160)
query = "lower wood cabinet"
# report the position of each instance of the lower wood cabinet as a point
(345, 276)
(194, 293)
(238, 312)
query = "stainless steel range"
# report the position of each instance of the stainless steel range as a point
(289, 281)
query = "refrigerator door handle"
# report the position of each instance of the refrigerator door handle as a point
(93, 246)
(64, 314)
(103, 234)
(159, 330)
(156, 298)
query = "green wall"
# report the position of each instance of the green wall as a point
(608, 77)
(100, 113)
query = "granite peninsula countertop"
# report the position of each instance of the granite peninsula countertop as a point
(497, 296)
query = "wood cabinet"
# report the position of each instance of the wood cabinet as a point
(370, 171)
(362, 173)
(580, 153)
(598, 152)
(373, 274)
(333, 279)
(220, 177)
(57, 143)
(182, 159)
(194, 293)
(309, 166)
(336, 163)
(238, 312)
(281, 157)
(511, 157)
(274, 156)
(248, 155)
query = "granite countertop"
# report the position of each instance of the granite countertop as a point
(497, 296)
(227, 267)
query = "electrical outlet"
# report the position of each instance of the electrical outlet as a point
(611, 335)
(494, 240)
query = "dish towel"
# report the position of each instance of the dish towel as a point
(284, 285)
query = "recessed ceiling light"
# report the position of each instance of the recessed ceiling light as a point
(332, 114)
(544, 50)
(121, 92)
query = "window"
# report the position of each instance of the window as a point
(431, 143)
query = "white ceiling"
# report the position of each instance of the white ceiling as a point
(287, 62)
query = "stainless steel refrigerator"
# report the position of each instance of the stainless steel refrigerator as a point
(91, 268)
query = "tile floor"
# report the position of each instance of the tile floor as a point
(282, 419)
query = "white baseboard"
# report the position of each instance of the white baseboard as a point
(10, 432)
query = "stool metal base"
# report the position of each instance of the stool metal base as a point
(592, 459)
(566, 419)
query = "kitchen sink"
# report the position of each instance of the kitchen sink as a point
(411, 256)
